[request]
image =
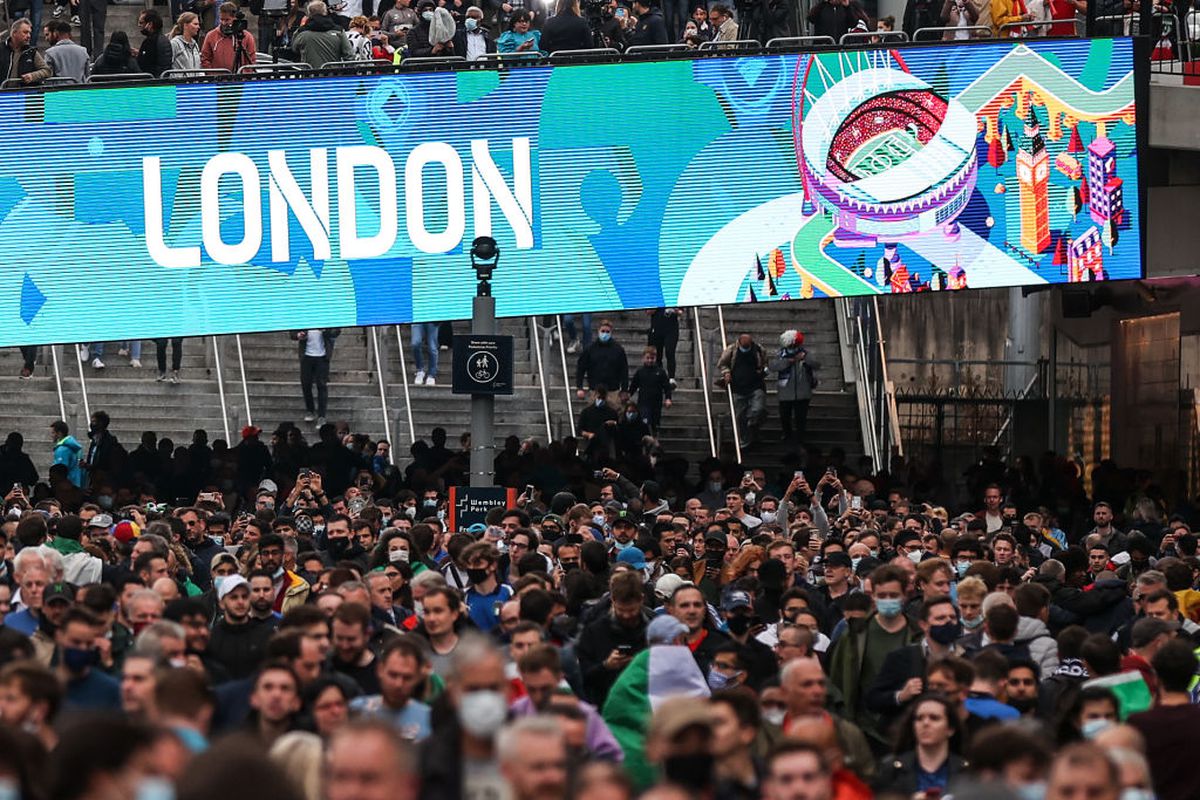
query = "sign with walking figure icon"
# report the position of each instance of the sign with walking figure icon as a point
(483, 364)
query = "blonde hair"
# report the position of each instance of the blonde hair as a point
(184, 18)
(360, 22)
(972, 588)
(299, 755)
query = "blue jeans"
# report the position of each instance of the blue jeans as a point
(425, 338)
(135, 349)
(569, 327)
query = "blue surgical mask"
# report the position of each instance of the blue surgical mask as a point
(889, 607)
(972, 624)
(961, 567)
(598, 520)
(743, 349)
(427, 15)
(605, 336)
(854, 563)
(1031, 791)
(719, 680)
(470, 23)
(1092, 727)
(1134, 793)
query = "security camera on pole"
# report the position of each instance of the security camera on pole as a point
(483, 363)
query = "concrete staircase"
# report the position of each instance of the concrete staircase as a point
(137, 403)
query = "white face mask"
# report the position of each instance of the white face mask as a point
(916, 555)
(774, 715)
(768, 517)
(398, 555)
(482, 713)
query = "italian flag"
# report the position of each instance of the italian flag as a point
(653, 675)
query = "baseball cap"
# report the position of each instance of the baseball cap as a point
(664, 630)
(229, 583)
(735, 599)
(100, 521)
(222, 558)
(718, 536)
(624, 518)
(633, 556)
(838, 559)
(268, 485)
(614, 505)
(1145, 630)
(665, 586)
(478, 529)
(250, 431)
(59, 591)
(676, 715)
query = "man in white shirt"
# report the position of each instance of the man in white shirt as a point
(316, 350)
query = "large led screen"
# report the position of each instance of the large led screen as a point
(164, 210)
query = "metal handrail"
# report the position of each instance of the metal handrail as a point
(801, 41)
(982, 31)
(732, 44)
(733, 420)
(412, 430)
(221, 389)
(60, 80)
(568, 55)
(501, 59)
(537, 349)
(704, 388)
(242, 372)
(884, 37)
(562, 352)
(357, 64)
(278, 66)
(387, 425)
(87, 410)
(432, 60)
(125, 77)
(1012, 26)
(201, 72)
(641, 49)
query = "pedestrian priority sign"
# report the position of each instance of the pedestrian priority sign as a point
(483, 364)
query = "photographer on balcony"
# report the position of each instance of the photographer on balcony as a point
(567, 29)
(229, 46)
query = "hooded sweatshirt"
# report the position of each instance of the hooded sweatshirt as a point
(66, 452)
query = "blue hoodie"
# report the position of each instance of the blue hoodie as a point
(66, 452)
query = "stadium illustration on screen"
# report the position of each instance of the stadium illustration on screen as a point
(267, 205)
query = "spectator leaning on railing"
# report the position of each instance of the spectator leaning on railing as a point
(19, 59)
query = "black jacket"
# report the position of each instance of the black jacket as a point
(652, 383)
(1101, 609)
(566, 32)
(899, 773)
(419, 45)
(460, 40)
(651, 28)
(328, 334)
(596, 641)
(239, 648)
(834, 19)
(899, 666)
(154, 56)
(603, 363)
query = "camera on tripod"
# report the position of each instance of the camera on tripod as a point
(596, 9)
(237, 27)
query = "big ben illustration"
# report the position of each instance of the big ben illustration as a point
(1033, 175)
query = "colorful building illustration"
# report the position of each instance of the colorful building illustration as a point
(1033, 176)
(1085, 257)
(1106, 199)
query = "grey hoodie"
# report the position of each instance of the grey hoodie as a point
(1043, 649)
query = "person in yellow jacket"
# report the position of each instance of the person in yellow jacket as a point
(1006, 12)
(291, 591)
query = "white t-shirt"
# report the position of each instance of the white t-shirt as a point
(314, 343)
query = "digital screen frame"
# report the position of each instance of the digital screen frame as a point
(209, 208)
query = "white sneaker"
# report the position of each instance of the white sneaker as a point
(420, 378)
(430, 381)
(162, 376)
(136, 363)
(674, 385)
(309, 417)
(97, 364)
(84, 353)
(573, 348)
(320, 421)
(175, 376)
(124, 351)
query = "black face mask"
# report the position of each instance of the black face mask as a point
(477, 575)
(1024, 705)
(738, 625)
(714, 556)
(569, 565)
(692, 772)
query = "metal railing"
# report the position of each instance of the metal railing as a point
(972, 31)
(732, 44)
(878, 414)
(800, 42)
(873, 37)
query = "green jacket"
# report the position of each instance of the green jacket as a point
(846, 672)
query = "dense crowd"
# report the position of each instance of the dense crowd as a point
(300, 620)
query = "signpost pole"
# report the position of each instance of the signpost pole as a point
(483, 406)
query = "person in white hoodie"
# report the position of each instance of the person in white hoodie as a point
(1033, 604)
(79, 566)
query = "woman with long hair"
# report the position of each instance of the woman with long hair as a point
(117, 58)
(185, 42)
(747, 562)
(926, 757)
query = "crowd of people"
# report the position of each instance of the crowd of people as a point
(303, 621)
(213, 36)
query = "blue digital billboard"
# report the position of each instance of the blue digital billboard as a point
(167, 210)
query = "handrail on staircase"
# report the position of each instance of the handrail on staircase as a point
(859, 321)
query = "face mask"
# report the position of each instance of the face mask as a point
(429, 505)
(470, 23)
(105, 501)
(743, 349)
(338, 546)
(854, 562)
(692, 772)
(915, 556)
(398, 556)
(482, 713)
(427, 15)
(598, 520)
(961, 567)
(768, 517)
(318, 529)
(1031, 791)
(738, 625)
(888, 607)
(1023, 704)
(410, 512)
(78, 659)
(774, 715)
(605, 336)
(874, 553)
(631, 415)
(750, 498)
(599, 402)
(972, 624)
(178, 662)
(477, 575)
(714, 486)
(945, 634)
(1133, 793)
(719, 680)
(1092, 727)
(277, 574)
(419, 608)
